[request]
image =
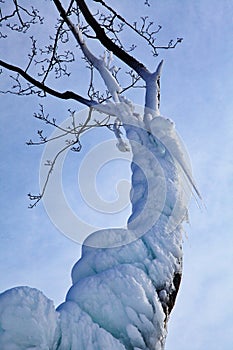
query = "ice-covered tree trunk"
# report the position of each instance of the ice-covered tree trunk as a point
(130, 289)
(127, 279)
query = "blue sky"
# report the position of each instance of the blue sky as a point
(197, 89)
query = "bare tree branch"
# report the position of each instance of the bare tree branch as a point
(144, 31)
(44, 88)
(54, 48)
(32, 17)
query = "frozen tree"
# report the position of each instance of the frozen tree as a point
(125, 284)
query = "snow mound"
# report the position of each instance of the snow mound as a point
(28, 320)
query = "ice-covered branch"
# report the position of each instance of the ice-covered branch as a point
(121, 145)
(152, 99)
(102, 66)
(99, 63)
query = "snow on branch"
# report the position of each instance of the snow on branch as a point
(99, 63)
(152, 99)
(121, 145)
(102, 65)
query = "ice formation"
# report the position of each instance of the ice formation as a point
(120, 297)
(125, 284)
(28, 320)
